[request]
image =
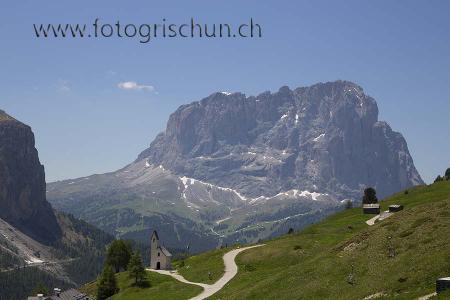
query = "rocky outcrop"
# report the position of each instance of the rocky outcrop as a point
(22, 183)
(324, 138)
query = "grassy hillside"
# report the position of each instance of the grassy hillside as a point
(196, 268)
(400, 256)
(339, 258)
(160, 287)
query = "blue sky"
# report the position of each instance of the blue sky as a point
(67, 89)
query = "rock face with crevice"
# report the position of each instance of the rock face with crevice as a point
(22, 183)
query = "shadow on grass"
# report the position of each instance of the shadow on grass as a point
(144, 284)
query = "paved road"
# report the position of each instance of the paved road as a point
(231, 270)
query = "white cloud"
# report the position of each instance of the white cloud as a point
(132, 85)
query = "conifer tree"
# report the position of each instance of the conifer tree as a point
(118, 255)
(439, 178)
(370, 196)
(107, 285)
(136, 269)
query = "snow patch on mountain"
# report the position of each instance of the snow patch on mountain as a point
(319, 137)
(294, 193)
(191, 181)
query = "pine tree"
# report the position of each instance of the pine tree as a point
(136, 269)
(370, 196)
(447, 174)
(118, 255)
(439, 178)
(107, 285)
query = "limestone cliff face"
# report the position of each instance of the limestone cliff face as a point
(324, 138)
(22, 183)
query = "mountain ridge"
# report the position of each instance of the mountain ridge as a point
(231, 168)
(223, 123)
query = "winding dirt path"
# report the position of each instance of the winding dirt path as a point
(427, 296)
(231, 270)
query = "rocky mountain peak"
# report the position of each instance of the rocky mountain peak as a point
(325, 137)
(5, 117)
